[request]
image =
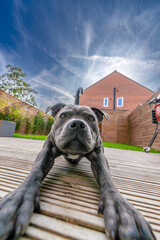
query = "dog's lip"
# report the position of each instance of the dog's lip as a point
(75, 140)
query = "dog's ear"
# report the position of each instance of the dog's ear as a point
(55, 109)
(100, 114)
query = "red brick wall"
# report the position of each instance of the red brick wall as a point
(116, 129)
(7, 100)
(141, 128)
(132, 92)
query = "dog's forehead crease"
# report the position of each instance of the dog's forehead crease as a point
(77, 109)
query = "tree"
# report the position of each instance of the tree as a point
(12, 82)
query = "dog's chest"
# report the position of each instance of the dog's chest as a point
(73, 157)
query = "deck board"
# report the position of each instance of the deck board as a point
(70, 195)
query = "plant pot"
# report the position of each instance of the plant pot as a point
(7, 128)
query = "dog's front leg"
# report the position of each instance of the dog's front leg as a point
(122, 220)
(16, 208)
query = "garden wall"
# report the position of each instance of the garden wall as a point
(116, 129)
(28, 119)
(135, 129)
(141, 128)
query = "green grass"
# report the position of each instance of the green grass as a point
(105, 144)
(126, 147)
(37, 137)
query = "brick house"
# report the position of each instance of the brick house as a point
(119, 96)
(116, 92)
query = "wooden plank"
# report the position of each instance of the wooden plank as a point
(141, 195)
(77, 192)
(38, 234)
(146, 205)
(73, 216)
(65, 229)
(3, 193)
(16, 170)
(72, 205)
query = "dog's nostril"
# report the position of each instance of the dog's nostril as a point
(77, 124)
(82, 125)
(73, 125)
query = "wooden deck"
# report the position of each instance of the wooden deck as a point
(69, 194)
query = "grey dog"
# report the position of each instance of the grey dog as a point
(74, 135)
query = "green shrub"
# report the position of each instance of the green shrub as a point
(12, 114)
(39, 123)
(49, 124)
(1, 116)
(34, 124)
(29, 124)
(17, 117)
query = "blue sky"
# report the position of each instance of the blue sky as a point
(65, 44)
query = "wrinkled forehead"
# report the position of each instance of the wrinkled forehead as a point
(77, 110)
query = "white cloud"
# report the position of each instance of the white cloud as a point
(49, 94)
(42, 80)
(88, 37)
(101, 66)
(66, 63)
(19, 22)
(3, 63)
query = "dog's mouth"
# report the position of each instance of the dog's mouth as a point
(74, 142)
(75, 145)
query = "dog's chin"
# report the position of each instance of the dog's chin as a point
(74, 147)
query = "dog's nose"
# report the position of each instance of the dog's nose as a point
(77, 124)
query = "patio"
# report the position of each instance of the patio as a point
(70, 195)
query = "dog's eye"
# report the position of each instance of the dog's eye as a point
(91, 118)
(63, 115)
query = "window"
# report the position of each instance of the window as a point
(120, 102)
(105, 102)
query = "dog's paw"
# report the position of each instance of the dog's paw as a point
(15, 211)
(123, 221)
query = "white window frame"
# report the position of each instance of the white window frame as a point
(122, 102)
(104, 102)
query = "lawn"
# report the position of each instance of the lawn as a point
(126, 147)
(105, 144)
(37, 137)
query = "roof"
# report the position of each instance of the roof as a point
(121, 75)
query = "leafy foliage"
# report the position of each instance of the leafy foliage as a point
(12, 82)
(29, 125)
(49, 124)
(37, 124)
(12, 114)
